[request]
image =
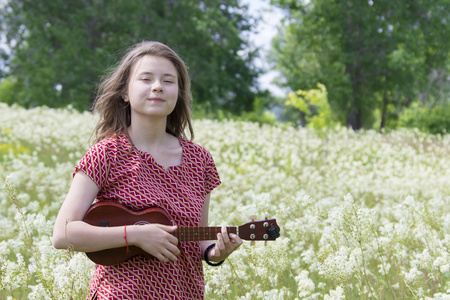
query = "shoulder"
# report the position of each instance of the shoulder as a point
(194, 148)
(109, 149)
(102, 157)
(116, 143)
(196, 153)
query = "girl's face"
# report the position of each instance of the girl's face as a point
(153, 87)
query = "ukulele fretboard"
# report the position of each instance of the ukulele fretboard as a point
(184, 234)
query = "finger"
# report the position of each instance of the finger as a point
(166, 256)
(170, 256)
(226, 239)
(173, 249)
(215, 251)
(236, 239)
(172, 240)
(220, 243)
(167, 228)
(161, 258)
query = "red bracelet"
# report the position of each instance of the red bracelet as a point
(125, 237)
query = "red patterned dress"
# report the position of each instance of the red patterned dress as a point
(133, 178)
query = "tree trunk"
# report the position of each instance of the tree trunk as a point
(354, 119)
(384, 111)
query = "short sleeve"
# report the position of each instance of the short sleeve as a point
(96, 164)
(212, 179)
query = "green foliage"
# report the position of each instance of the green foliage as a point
(371, 55)
(260, 112)
(314, 104)
(265, 118)
(60, 48)
(8, 90)
(435, 120)
(10, 148)
(15, 150)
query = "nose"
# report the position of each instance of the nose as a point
(157, 87)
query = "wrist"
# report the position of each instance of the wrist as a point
(206, 256)
(132, 233)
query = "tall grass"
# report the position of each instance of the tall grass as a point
(363, 215)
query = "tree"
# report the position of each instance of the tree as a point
(60, 48)
(313, 105)
(371, 55)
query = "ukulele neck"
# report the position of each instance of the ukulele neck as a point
(184, 234)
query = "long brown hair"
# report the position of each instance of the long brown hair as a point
(115, 113)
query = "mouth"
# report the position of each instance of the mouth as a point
(155, 100)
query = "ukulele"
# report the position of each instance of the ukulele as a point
(110, 214)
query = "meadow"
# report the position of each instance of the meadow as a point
(363, 215)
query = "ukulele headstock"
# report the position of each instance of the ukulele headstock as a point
(262, 230)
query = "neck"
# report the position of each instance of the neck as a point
(185, 234)
(148, 132)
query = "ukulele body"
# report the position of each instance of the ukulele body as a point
(110, 214)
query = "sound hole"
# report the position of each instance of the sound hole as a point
(141, 223)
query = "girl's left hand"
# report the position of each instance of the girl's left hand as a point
(226, 244)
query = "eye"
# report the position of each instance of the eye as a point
(145, 79)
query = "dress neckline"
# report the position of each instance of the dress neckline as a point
(149, 156)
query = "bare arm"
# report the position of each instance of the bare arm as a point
(71, 230)
(226, 243)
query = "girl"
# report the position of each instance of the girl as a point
(142, 158)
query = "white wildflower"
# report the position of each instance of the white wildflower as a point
(442, 264)
(337, 294)
(305, 286)
(412, 275)
(339, 219)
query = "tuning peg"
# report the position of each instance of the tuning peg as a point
(267, 215)
(274, 232)
(265, 243)
(252, 243)
(252, 217)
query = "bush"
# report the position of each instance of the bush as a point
(8, 90)
(434, 120)
(314, 104)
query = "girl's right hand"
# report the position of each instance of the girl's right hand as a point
(156, 239)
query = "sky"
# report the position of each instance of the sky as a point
(266, 30)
